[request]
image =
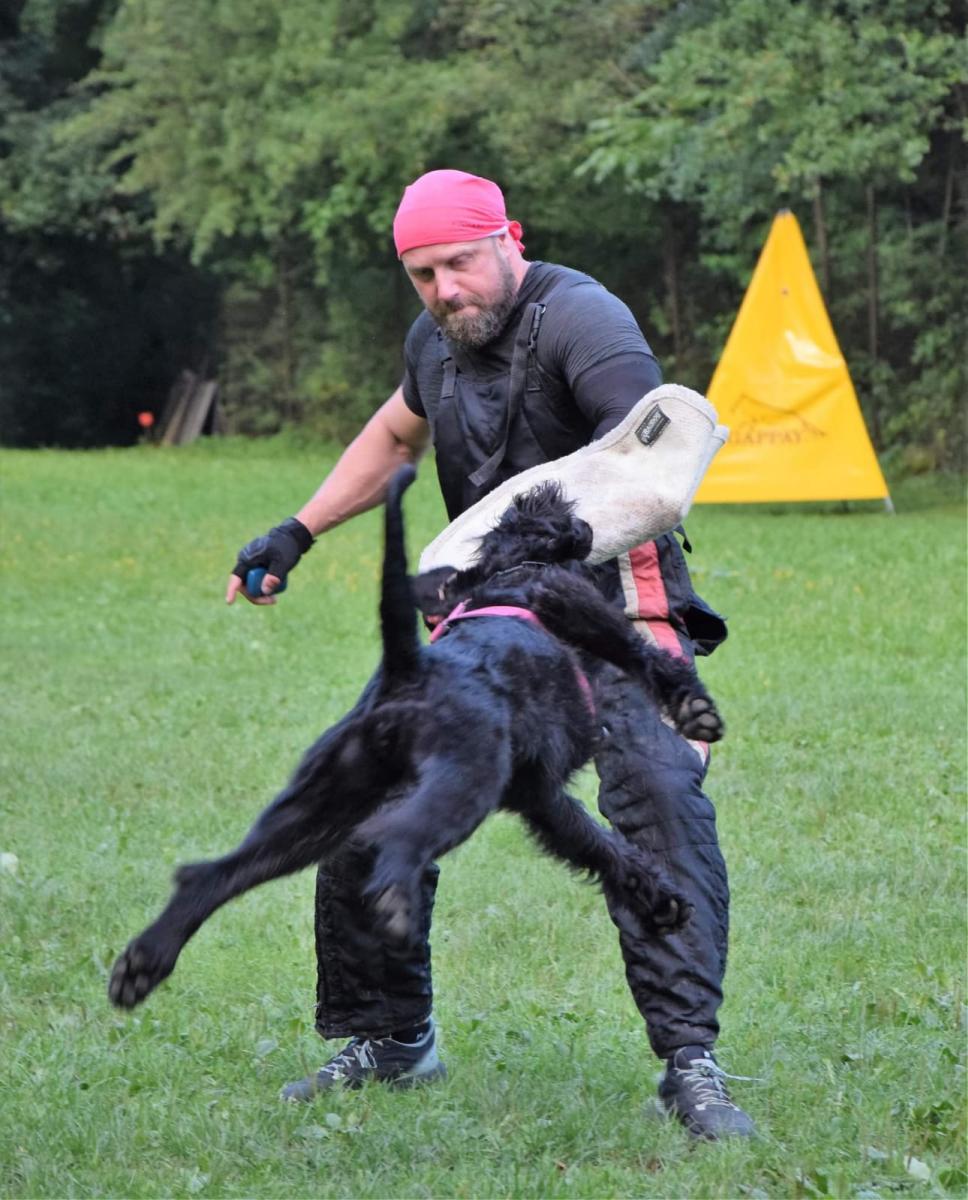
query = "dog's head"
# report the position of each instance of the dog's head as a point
(538, 526)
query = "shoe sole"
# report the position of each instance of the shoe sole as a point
(398, 1083)
(408, 1081)
(699, 1134)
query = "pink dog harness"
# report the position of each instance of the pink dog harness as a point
(460, 613)
(495, 610)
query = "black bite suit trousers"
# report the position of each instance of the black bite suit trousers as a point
(651, 789)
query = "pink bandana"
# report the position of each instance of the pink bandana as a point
(451, 206)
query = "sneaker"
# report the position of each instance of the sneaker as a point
(397, 1064)
(693, 1091)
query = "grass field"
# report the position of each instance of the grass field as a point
(145, 723)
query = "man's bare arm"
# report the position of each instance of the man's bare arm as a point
(393, 436)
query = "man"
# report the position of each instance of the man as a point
(513, 364)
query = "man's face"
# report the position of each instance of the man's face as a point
(469, 288)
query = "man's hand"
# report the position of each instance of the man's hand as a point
(278, 551)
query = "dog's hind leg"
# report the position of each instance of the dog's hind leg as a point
(337, 783)
(563, 828)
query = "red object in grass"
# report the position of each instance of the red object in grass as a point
(146, 419)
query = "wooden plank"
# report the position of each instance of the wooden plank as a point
(196, 410)
(174, 414)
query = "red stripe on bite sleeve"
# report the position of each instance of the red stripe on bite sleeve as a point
(653, 601)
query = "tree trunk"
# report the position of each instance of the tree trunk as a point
(671, 272)
(287, 357)
(949, 195)
(820, 225)
(872, 310)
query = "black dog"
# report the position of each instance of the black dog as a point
(497, 713)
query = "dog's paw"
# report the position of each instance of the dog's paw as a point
(648, 895)
(137, 972)
(696, 718)
(393, 915)
(670, 912)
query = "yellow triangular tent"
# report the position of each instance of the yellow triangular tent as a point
(782, 387)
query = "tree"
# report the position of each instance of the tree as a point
(647, 141)
(841, 108)
(95, 324)
(271, 141)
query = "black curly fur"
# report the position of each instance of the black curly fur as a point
(492, 715)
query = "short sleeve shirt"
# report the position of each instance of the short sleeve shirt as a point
(589, 342)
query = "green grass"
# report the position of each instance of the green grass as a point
(146, 723)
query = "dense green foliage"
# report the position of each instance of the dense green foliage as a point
(155, 722)
(266, 142)
(95, 320)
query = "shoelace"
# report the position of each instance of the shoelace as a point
(358, 1049)
(707, 1079)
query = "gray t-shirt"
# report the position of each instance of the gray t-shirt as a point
(589, 347)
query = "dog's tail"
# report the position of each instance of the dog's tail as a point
(398, 613)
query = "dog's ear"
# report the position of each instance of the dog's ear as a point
(565, 538)
(579, 539)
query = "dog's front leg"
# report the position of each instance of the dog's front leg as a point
(456, 790)
(573, 610)
(679, 690)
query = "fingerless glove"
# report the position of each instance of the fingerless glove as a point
(278, 551)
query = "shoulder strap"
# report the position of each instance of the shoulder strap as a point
(524, 375)
(519, 377)
(449, 382)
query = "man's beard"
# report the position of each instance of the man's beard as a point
(474, 330)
